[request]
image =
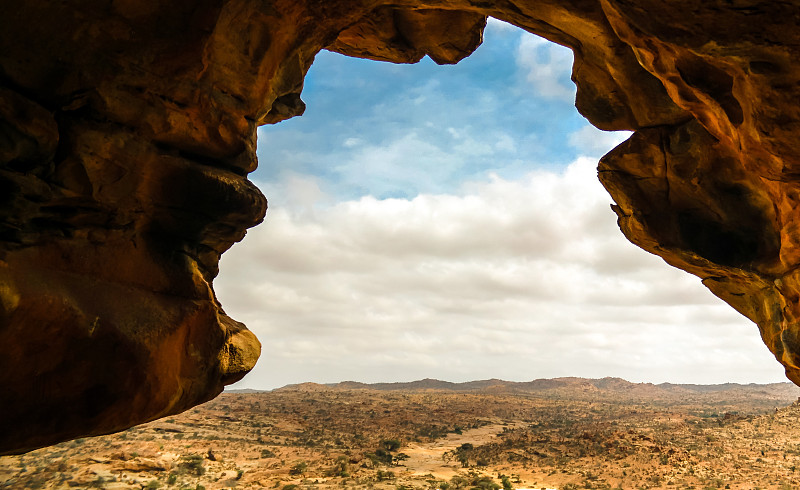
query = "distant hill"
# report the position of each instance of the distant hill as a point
(568, 386)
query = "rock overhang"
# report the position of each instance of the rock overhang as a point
(129, 130)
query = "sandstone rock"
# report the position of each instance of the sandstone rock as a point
(406, 36)
(127, 130)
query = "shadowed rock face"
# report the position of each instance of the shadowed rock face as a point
(127, 130)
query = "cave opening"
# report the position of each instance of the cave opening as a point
(446, 221)
(130, 132)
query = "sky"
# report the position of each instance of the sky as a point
(447, 222)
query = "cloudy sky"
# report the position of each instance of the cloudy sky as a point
(447, 222)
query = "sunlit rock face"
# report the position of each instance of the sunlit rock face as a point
(127, 130)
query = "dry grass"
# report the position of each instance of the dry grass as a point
(323, 438)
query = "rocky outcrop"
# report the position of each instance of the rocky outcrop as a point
(127, 130)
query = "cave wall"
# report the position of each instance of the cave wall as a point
(127, 130)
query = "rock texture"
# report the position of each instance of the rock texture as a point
(127, 130)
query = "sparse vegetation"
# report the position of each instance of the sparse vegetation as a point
(298, 468)
(371, 440)
(193, 464)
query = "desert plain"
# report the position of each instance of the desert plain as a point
(565, 434)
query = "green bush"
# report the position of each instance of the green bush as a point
(192, 463)
(384, 475)
(381, 456)
(463, 453)
(484, 483)
(340, 468)
(458, 482)
(298, 468)
(390, 444)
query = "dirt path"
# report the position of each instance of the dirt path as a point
(426, 458)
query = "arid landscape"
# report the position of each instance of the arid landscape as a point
(566, 433)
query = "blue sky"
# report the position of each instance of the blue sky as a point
(447, 222)
(399, 130)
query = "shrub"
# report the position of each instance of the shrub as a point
(381, 456)
(384, 475)
(463, 453)
(390, 444)
(298, 468)
(192, 463)
(340, 468)
(458, 482)
(484, 483)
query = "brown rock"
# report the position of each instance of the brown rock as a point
(127, 130)
(140, 466)
(406, 36)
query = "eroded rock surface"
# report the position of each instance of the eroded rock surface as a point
(127, 130)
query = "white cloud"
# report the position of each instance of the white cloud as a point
(591, 141)
(505, 143)
(420, 161)
(511, 279)
(493, 25)
(351, 142)
(514, 275)
(300, 192)
(547, 67)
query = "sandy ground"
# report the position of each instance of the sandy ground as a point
(428, 458)
(710, 441)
